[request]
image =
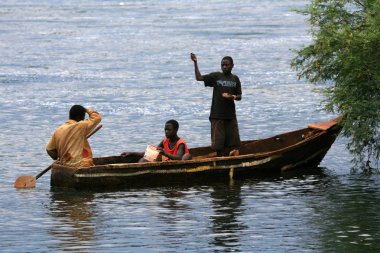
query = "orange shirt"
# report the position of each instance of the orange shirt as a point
(70, 141)
(174, 151)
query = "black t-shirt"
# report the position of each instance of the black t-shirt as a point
(222, 108)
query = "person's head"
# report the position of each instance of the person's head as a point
(171, 128)
(227, 64)
(77, 112)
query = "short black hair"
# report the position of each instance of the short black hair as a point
(229, 58)
(174, 123)
(77, 112)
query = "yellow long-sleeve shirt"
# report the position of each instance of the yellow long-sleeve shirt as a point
(69, 141)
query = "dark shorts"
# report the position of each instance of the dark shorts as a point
(224, 134)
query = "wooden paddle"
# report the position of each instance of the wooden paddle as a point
(30, 181)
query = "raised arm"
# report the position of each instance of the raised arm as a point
(93, 120)
(198, 75)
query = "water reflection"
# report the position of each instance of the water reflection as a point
(74, 212)
(348, 222)
(172, 200)
(227, 221)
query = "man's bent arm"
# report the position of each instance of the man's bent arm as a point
(53, 154)
(94, 119)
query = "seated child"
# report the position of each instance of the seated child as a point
(171, 147)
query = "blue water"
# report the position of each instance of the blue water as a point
(130, 61)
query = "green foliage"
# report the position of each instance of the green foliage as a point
(345, 55)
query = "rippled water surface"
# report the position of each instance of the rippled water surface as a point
(130, 61)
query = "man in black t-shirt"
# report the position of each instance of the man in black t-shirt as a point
(225, 137)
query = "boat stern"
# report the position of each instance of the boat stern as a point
(62, 176)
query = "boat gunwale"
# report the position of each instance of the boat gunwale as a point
(126, 171)
(172, 163)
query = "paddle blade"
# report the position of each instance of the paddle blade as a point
(25, 182)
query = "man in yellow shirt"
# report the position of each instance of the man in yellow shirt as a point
(69, 142)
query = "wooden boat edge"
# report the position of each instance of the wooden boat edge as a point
(75, 176)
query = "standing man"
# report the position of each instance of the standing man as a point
(69, 142)
(225, 139)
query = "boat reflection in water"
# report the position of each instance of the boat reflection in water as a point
(73, 212)
(227, 225)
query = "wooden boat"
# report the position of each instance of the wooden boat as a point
(303, 148)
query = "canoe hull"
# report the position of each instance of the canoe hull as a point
(118, 171)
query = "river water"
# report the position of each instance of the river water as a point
(130, 61)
